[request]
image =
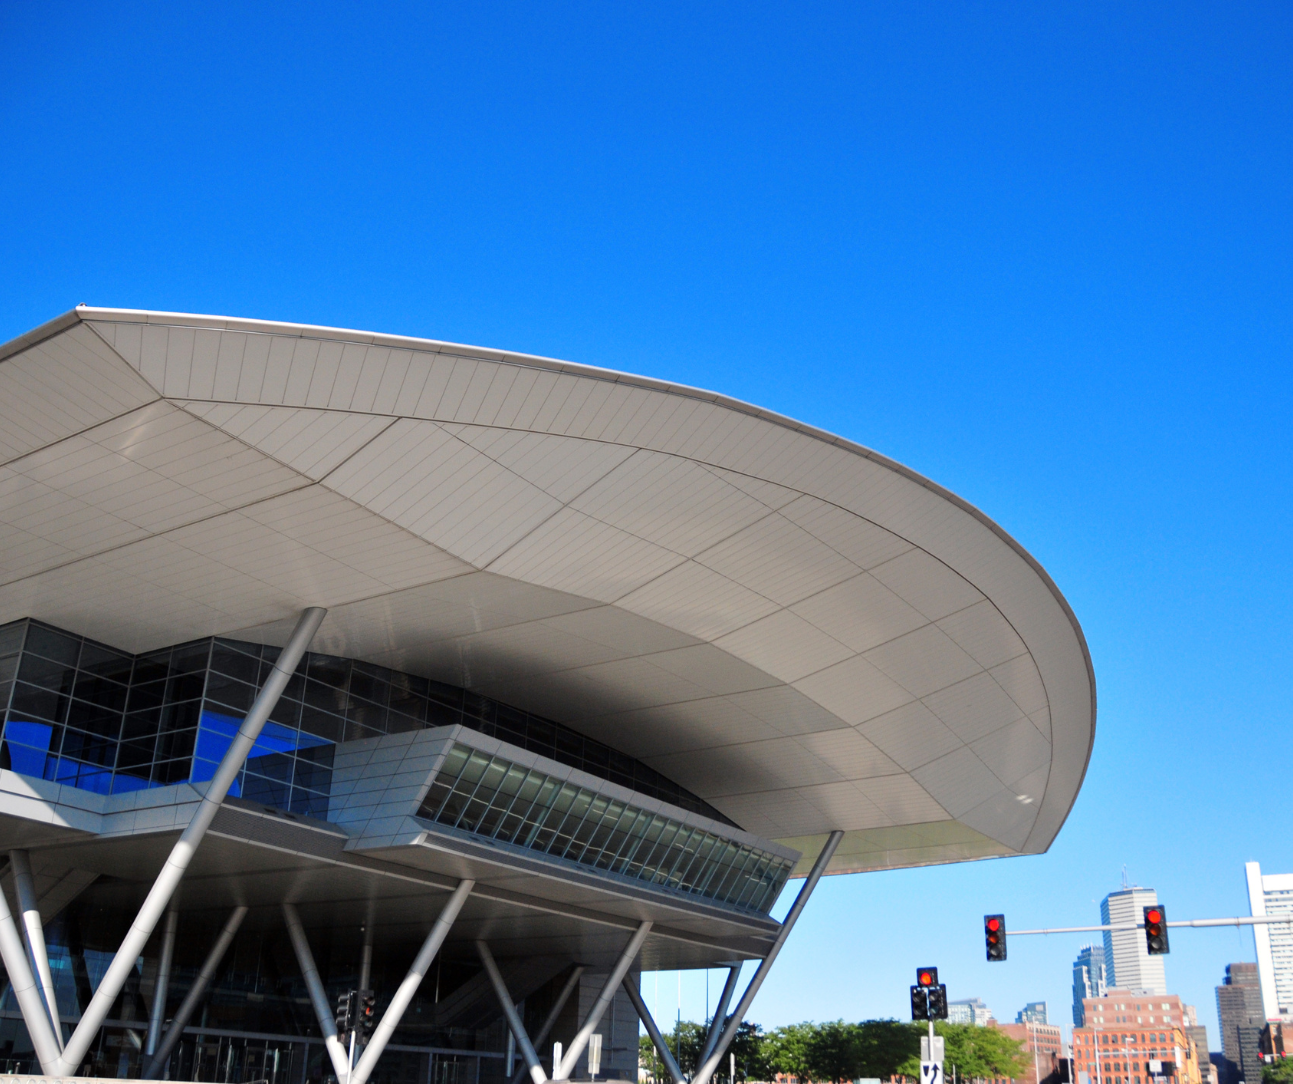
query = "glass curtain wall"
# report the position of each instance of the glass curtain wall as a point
(493, 797)
(83, 714)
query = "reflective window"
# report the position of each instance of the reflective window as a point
(490, 796)
(86, 715)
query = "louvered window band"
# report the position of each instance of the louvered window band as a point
(492, 797)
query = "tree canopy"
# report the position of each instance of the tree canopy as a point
(840, 1051)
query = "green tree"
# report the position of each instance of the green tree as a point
(975, 1051)
(885, 1046)
(686, 1042)
(835, 1051)
(748, 1046)
(649, 1060)
(786, 1049)
(1278, 1072)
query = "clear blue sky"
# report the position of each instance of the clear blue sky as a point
(1039, 252)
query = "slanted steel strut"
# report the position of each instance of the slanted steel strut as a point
(653, 1029)
(595, 1014)
(177, 863)
(707, 1068)
(409, 987)
(514, 1021)
(170, 1039)
(34, 934)
(572, 984)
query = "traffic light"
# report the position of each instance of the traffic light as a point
(938, 1002)
(994, 936)
(1156, 930)
(367, 1013)
(919, 1003)
(345, 1011)
(926, 977)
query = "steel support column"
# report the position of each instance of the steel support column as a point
(196, 993)
(35, 1013)
(720, 1012)
(514, 1021)
(657, 1040)
(157, 1018)
(318, 996)
(706, 1069)
(34, 935)
(159, 896)
(571, 1057)
(409, 987)
(572, 984)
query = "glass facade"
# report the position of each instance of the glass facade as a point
(86, 715)
(259, 1024)
(493, 797)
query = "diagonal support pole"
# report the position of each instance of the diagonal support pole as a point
(707, 1067)
(613, 980)
(159, 896)
(318, 996)
(157, 1018)
(34, 935)
(513, 1017)
(170, 1040)
(720, 1013)
(35, 1013)
(653, 1029)
(572, 984)
(409, 987)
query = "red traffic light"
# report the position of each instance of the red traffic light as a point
(927, 976)
(994, 936)
(1156, 930)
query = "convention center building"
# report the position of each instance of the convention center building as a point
(473, 682)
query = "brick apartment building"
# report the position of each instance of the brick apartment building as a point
(1046, 1042)
(1126, 1031)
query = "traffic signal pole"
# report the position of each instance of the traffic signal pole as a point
(1256, 920)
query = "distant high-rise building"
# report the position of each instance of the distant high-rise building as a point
(1032, 1013)
(1088, 980)
(1128, 962)
(1273, 895)
(969, 1010)
(1239, 1011)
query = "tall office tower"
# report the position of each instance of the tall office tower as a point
(1239, 1011)
(969, 1010)
(1088, 980)
(1032, 1013)
(1129, 964)
(1273, 895)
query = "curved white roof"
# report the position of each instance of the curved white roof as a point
(804, 633)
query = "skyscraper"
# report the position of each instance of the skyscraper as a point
(1129, 964)
(1239, 1011)
(969, 1010)
(1088, 980)
(1032, 1013)
(1273, 895)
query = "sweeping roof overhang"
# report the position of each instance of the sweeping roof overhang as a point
(804, 633)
